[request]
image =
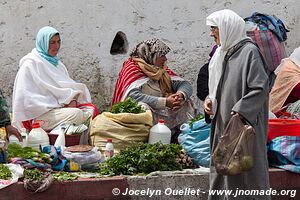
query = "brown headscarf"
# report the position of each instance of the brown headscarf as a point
(145, 55)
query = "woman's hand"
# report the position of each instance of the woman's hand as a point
(208, 106)
(170, 100)
(10, 130)
(179, 101)
(175, 101)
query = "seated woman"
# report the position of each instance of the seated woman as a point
(286, 88)
(43, 89)
(146, 78)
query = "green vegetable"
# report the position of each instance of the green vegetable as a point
(64, 176)
(5, 173)
(34, 175)
(127, 106)
(16, 150)
(142, 158)
(197, 118)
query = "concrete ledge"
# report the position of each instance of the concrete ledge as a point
(161, 186)
(83, 189)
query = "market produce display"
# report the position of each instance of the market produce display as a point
(197, 118)
(36, 180)
(16, 150)
(127, 106)
(64, 176)
(5, 173)
(143, 158)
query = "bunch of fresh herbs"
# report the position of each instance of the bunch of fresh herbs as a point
(34, 175)
(16, 150)
(142, 158)
(127, 106)
(197, 118)
(64, 176)
(5, 173)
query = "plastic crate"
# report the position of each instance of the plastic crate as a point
(283, 127)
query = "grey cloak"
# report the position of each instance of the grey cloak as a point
(243, 89)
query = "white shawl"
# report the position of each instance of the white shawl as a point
(231, 31)
(295, 57)
(40, 86)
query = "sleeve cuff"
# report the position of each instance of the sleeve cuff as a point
(161, 103)
(183, 94)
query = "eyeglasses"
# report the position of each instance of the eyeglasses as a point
(214, 28)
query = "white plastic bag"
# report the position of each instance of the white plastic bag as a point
(16, 171)
(81, 158)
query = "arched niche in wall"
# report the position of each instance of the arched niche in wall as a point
(119, 44)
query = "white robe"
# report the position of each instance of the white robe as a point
(40, 86)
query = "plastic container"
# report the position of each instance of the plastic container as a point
(60, 140)
(109, 149)
(24, 135)
(13, 139)
(37, 137)
(283, 127)
(160, 133)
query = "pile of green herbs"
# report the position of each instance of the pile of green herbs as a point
(142, 158)
(5, 173)
(64, 176)
(194, 119)
(34, 175)
(16, 150)
(127, 106)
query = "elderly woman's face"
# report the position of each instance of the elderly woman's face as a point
(214, 32)
(160, 61)
(54, 45)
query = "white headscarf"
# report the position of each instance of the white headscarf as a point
(295, 57)
(231, 31)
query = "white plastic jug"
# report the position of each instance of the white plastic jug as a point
(37, 136)
(160, 133)
(61, 139)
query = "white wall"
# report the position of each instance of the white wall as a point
(88, 28)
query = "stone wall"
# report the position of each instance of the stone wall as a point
(88, 29)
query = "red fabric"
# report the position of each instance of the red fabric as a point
(129, 73)
(294, 95)
(27, 124)
(90, 105)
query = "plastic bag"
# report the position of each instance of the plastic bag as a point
(234, 151)
(16, 171)
(81, 158)
(195, 141)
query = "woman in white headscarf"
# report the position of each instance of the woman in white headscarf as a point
(43, 89)
(286, 88)
(238, 83)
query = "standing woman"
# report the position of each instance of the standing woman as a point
(43, 89)
(238, 83)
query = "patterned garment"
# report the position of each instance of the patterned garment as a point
(4, 111)
(150, 50)
(283, 152)
(129, 73)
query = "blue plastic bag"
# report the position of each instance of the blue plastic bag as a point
(195, 141)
